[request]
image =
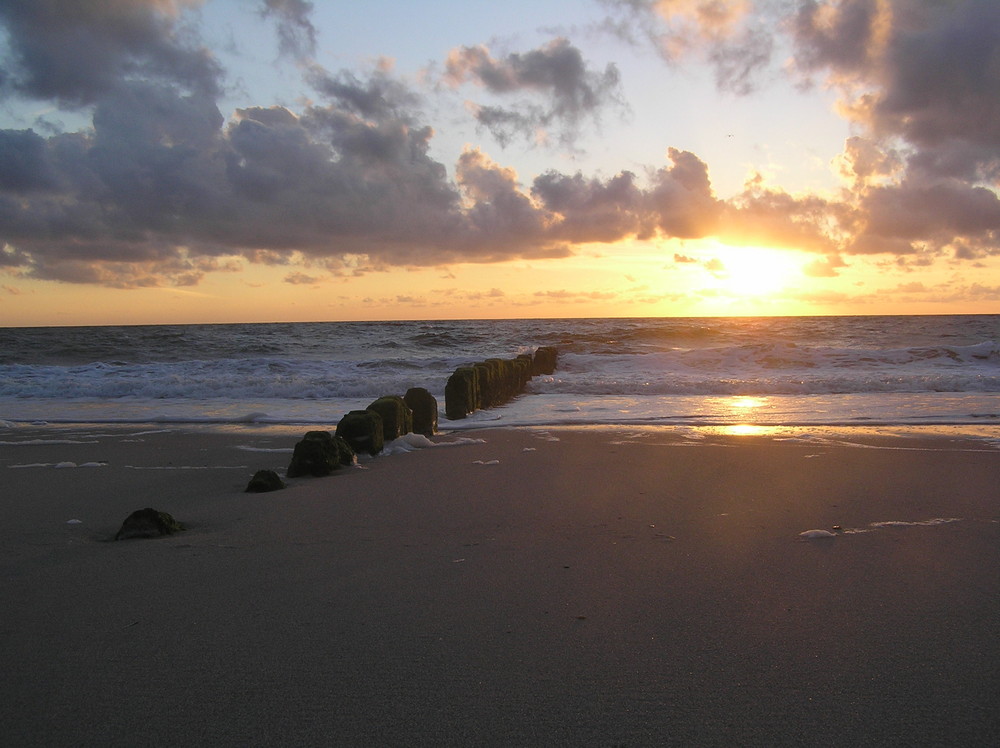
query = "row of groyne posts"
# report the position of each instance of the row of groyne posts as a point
(485, 384)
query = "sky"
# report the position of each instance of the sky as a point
(183, 161)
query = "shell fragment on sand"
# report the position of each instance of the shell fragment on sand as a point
(816, 535)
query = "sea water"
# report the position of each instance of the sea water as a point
(836, 371)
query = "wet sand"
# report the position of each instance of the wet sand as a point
(536, 588)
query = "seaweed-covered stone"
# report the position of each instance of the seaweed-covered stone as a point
(148, 523)
(362, 429)
(461, 393)
(397, 418)
(425, 410)
(544, 360)
(347, 454)
(264, 481)
(316, 454)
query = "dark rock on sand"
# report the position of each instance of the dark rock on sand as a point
(362, 429)
(425, 410)
(264, 481)
(397, 418)
(148, 523)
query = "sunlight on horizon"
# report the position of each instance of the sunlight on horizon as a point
(756, 271)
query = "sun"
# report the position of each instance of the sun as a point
(753, 271)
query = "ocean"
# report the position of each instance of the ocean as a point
(714, 372)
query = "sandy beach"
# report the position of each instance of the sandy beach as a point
(525, 587)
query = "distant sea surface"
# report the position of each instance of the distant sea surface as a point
(835, 371)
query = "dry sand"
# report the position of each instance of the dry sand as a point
(590, 588)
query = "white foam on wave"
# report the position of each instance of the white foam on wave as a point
(922, 523)
(186, 467)
(61, 465)
(902, 523)
(43, 442)
(874, 526)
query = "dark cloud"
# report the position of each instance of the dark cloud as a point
(24, 162)
(923, 71)
(589, 209)
(379, 97)
(296, 33)
(557, 74)
(76, 51)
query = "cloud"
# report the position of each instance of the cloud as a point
(827, 267)
(588, 209)
(296, 33)
(735, 37)
(163, 188)
(576, 296)
(716, 267)
(76, 51)
(302, 279)
(921, 71)
(555, 74)
(681, 201)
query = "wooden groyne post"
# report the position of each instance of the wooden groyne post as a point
(493, 382)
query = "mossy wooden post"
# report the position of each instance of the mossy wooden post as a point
(397, 418)
(544, 361)
(522, 372)
(500, 380)
(461, 393)
(487, 384)
(362, 429)
(525, 359)
(317, 454)
(425, 410)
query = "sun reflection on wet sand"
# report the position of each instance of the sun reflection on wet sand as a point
(742, 408)
(746, 429)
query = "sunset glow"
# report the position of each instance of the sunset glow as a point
(283, 160)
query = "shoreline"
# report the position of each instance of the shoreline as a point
(526, 586)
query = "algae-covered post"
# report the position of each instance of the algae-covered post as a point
(425, 410)
(397, 418)
(362, 429)
(319, 453)
(461, 393)
(544, 361)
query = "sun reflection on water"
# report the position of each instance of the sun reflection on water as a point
(742, 408)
